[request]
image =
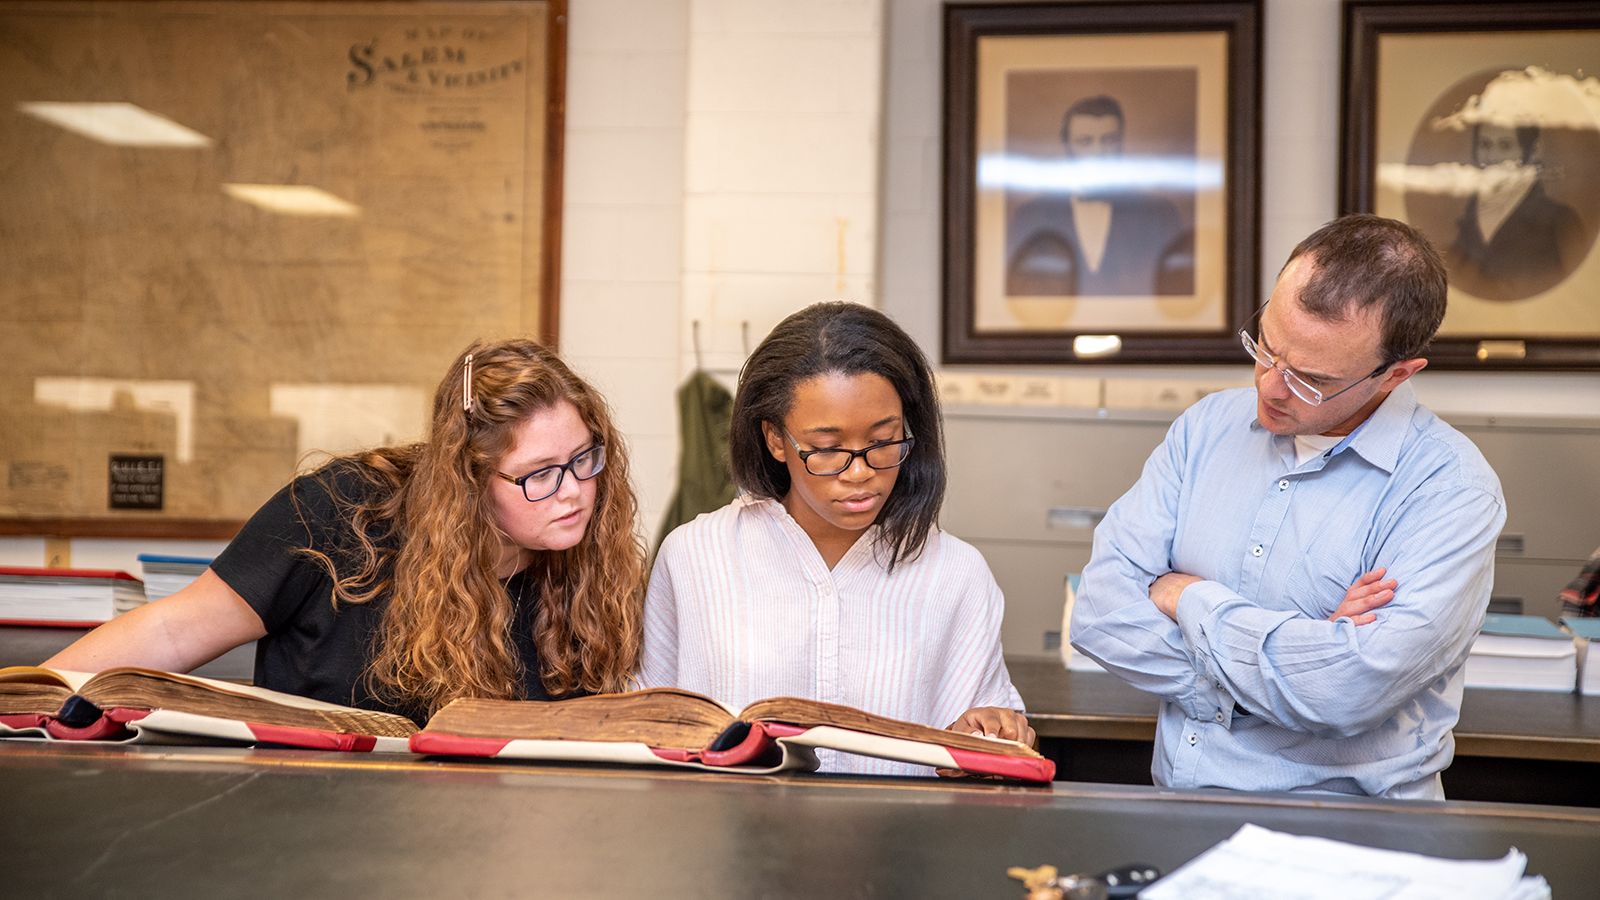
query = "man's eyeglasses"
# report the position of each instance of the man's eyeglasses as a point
(834, 460)
(542, 483)
(1297, 385)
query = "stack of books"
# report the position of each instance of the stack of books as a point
(164, 575)
(1587, 631)
(1524, 653)
(77, 598)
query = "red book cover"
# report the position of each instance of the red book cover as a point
(43, 574)
(135, 705)
(66, 598)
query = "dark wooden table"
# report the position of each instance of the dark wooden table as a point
(1538, 745)
(96, 821)
(1509, 724)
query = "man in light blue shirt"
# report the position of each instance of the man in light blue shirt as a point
(1301, 568)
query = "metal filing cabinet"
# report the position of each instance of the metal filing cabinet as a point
(1022, 480)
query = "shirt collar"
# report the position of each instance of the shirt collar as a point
(1379, 439)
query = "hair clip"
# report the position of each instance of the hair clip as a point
(466, 386)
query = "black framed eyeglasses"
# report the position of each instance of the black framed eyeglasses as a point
(834, 460)
(1297, 385)
(542, 483)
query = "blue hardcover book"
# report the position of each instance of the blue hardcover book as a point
(164, 575)
(1588, 629)
(1523, 626)
(177, 560)
(1529, 653)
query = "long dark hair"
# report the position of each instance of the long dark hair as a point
(848, 339)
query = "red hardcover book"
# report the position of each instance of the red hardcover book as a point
(665, 726)
(80, 598)
(134, 705)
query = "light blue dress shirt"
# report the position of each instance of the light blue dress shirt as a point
(1259, 690)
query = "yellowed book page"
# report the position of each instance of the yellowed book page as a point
(659, 717)
(802, 712)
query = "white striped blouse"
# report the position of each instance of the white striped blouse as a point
(741, 607)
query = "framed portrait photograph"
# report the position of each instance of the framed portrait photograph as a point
(1101, 193)
(1479, 124)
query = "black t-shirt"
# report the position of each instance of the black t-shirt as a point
(311, 648)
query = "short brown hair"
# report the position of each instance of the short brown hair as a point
(1364, 260)
(1099, 105)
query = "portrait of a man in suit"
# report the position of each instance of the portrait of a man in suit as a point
(1108, 235)
(1512, 240)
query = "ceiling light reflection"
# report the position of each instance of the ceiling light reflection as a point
(292, 199)
(1003, 171)
(118, 124)
(1092, 345)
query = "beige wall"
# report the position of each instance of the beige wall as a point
(779, 105)
(729, 161)
(721, 169)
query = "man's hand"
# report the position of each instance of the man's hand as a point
(991, 721)
(1164, 592)
(1366, 595)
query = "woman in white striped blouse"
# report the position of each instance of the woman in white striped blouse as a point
(829, 577)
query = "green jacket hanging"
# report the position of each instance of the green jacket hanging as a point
(705, 480)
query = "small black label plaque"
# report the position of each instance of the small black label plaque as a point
(136, 481)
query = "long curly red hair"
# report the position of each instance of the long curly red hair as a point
(447, 622)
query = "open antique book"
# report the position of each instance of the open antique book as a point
(144, 705)
(666, 726)
(660, 726)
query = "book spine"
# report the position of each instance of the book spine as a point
(753, 750)
(103, 728)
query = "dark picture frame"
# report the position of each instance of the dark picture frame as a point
(1426, 88)
(1014, 289)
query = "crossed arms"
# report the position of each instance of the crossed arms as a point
(1294, 634)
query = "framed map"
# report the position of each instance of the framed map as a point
(239, 236)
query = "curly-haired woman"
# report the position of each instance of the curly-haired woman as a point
(496, 559)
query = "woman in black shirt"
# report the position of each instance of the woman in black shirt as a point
(496, 559)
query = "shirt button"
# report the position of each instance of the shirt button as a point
(1283, 485)
(1219, 716)
(1257, 550)
(1193, 738)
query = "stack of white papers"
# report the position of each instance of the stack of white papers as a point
(1525, 653)
(1260, 864)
